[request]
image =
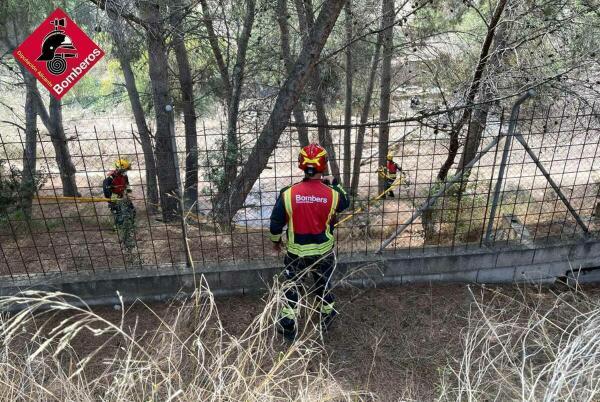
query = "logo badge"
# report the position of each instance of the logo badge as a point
(58, 53)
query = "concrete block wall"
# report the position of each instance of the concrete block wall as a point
(477, 265)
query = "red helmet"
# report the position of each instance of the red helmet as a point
(313, 156)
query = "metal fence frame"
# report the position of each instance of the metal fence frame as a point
(74, 235)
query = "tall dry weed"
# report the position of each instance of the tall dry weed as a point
(536, 346)
(190, 356)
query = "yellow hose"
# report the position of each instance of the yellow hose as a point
(74, 199)
(197, 218)
(348, 217)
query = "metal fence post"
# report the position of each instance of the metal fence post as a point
(507, 145)
(431, 200)
(553, 184)
(188, 256)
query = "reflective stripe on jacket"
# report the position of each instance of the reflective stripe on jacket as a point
(308, 209)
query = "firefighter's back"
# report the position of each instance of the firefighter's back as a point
(310, 207)
(312, 203)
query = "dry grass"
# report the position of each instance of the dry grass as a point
(515, 343)
(189, 357)
(528, 346)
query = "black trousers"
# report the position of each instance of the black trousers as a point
(122, 210)
(321, 267)
(388, 184)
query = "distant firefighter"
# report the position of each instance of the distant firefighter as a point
(116, 187)
(389, 173)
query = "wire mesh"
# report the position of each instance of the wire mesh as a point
(63, 235)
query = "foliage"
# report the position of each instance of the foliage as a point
(97, 90)
(206, 96)
(9, 188)
(13, 188)
(459, 213)
(439, 16)
(215, 162)
(572, 31)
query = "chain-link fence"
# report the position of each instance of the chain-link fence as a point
(79, 232)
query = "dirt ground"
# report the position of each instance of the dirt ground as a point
(393, 342)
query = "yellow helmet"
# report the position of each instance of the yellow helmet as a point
(390, 156)
(123, 164)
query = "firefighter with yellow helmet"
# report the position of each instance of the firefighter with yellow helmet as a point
(308, 209)
(116, 187)
(390, 173)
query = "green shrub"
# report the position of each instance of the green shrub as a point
(14, 190)
(458, 214)
(215, 162)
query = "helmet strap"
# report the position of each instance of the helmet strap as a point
(310, 171)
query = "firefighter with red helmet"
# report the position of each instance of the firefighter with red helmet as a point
(308, 208)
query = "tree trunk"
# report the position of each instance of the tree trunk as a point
(158, 68)
(364, 116)
(282, 21)
(232, 155)
(324, 134)
(348, 105)
(30, 149)
(52, 120)
(61, 148)
(479, 119)
(387, 22)
(428, 217)
(317, 95)
(474, 133)
(214, 45)
(189, 110)
(226, 206)
(473, 91)
(139, 115)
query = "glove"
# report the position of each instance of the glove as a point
(331, 183)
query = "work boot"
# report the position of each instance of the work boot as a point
(327, 312)
(287, 327)
(327, 320)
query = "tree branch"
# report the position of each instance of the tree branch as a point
(216, 49)
(12, 123)
(128, 16)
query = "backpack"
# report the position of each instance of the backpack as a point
(107, 186)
